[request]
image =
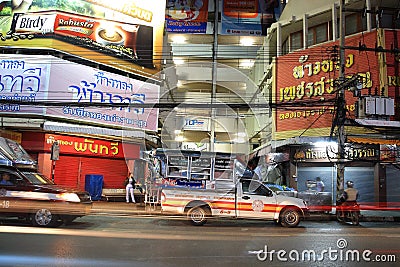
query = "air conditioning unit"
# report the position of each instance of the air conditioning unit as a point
(369, 104)
(389, 106)
(375, 106)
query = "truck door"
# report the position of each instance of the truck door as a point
(255, 200)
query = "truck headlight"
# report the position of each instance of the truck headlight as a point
(70, 197)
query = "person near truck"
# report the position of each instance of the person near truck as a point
(320, 186)
(130, 187)
(350, 194)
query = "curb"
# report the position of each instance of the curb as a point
(125, 209)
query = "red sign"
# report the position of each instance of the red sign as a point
(92, 147)
(393, 65)
(306, 92)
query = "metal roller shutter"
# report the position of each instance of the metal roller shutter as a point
(67, 172)
(114, 171)
(71, 171)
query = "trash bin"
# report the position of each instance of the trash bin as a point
(94, 185)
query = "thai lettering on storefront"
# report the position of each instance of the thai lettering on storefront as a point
(88, 146)
(324, 154)
(324, 86)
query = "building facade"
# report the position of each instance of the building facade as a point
(302, 82)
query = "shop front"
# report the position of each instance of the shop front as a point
(309, 162)
(81, 158)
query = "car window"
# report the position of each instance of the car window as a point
(37, 178)
(255, 188)
(7, 178)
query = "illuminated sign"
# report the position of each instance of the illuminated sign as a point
(196, 124)
(306, 86)
(36, 79)
(186, 16)
(126, 34)
(91, 147)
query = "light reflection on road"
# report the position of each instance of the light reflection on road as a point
(18, 260)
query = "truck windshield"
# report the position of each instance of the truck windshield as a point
(37, 178)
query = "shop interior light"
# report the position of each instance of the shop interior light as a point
(325, 144)
(179, 61)
(178, 39)
(246, 41)
(246, 63)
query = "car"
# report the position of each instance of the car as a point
(29, 195)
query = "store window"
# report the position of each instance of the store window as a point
(390, 21)
(317, 34)
(354, 23)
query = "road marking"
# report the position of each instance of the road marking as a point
(205, 234)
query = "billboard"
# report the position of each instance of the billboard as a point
(248, 17)
(392, 61)
(306, 89)
(125, 34)
(77, 92)
(186, 16)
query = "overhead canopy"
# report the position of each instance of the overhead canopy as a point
(366, 140)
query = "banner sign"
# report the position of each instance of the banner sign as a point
(248, 17)
(186, 16)
(91, 147)
(117, 39)
(35, 79)
(353, 152)
(130, 31)
(306, 82)
(196, 124)
(392, 61)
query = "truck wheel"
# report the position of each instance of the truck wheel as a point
(197, 216)
(290, 217)
(44, 218)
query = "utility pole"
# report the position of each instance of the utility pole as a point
(214, 76)
(341, 107)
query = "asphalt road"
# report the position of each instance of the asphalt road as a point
(170, 241)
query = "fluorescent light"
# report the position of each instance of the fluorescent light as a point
(179, 138)
(246, 63)
(178, 39)
(246, 41)
(179, 61)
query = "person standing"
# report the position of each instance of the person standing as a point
(320, 186)
(130, 187)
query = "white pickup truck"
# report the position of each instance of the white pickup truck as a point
(247, 199)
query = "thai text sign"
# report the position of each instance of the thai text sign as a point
(92, 147)
(306, 84)
(46, 78)
(353, 152)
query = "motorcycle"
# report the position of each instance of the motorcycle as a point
(348, 212)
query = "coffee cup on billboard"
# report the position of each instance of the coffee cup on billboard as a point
(109, 36)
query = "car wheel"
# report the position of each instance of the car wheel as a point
(290, 217)
(197, 216)
(44, 218)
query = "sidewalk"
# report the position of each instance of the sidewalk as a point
(122, 208)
